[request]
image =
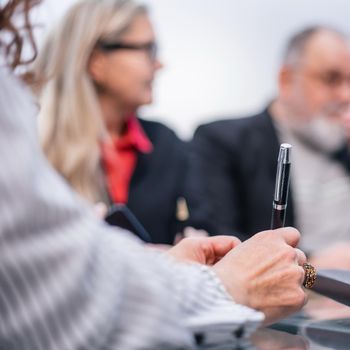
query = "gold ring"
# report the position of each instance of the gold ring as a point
(310, 276)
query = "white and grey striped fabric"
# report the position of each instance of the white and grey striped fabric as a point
(69, 282)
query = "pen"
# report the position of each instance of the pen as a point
(280, 199)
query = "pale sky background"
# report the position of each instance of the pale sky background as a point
(220, 56)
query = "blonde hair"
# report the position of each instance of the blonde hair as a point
(70, 120)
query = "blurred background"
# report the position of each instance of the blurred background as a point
(221, 57)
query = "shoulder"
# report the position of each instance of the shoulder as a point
(229, 125)
(158, 131)
(17, 105)
(161, 136)
(231, 130)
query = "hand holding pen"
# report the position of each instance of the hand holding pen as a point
(280, 201)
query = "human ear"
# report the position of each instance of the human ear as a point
(285, 80)
(96, 66)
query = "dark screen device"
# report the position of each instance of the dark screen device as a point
(334, 334)
(120, 215)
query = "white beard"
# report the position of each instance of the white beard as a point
(320, 133)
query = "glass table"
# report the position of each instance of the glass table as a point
(322, 324)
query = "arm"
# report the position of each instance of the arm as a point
(264, 272)
(67, 281)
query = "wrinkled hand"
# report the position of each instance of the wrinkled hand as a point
(264, 273)
(203, 250)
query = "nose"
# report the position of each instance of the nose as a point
(343, 92)
(158, 64)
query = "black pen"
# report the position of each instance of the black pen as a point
(280, 199)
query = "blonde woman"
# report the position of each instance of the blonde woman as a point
(98, 67)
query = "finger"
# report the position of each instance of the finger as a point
(221, 245)
(301, 257)
(306, 298)
(204, 250)
(214, 248)
(291, 235)
(191, 249)
(301, 275)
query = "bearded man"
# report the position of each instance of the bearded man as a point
(233, 167)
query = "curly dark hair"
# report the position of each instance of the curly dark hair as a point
(13, 44)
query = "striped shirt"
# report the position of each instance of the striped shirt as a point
(67, 281)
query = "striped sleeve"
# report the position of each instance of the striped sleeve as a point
(69, 282)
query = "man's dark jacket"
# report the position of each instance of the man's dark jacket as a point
(232, 176)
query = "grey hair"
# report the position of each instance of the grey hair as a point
(297, 44)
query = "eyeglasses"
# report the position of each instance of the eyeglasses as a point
(150, 48)
(332, 78)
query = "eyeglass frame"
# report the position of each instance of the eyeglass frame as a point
(330, 79)
(151, 47)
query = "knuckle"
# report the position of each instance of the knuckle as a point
(261, 235)
(297, 275)
(300, 298)
(297, 298)
(294, 275)
(301, 256)
(290, 253)
(194, 239)
(187, 241)
(300, 272)
(294, 231)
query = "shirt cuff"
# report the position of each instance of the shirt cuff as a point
(223, 321)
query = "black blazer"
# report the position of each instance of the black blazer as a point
(157, 183)
(232, 176)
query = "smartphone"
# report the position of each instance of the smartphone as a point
(120, 215)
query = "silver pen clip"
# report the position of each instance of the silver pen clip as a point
(283, 159)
